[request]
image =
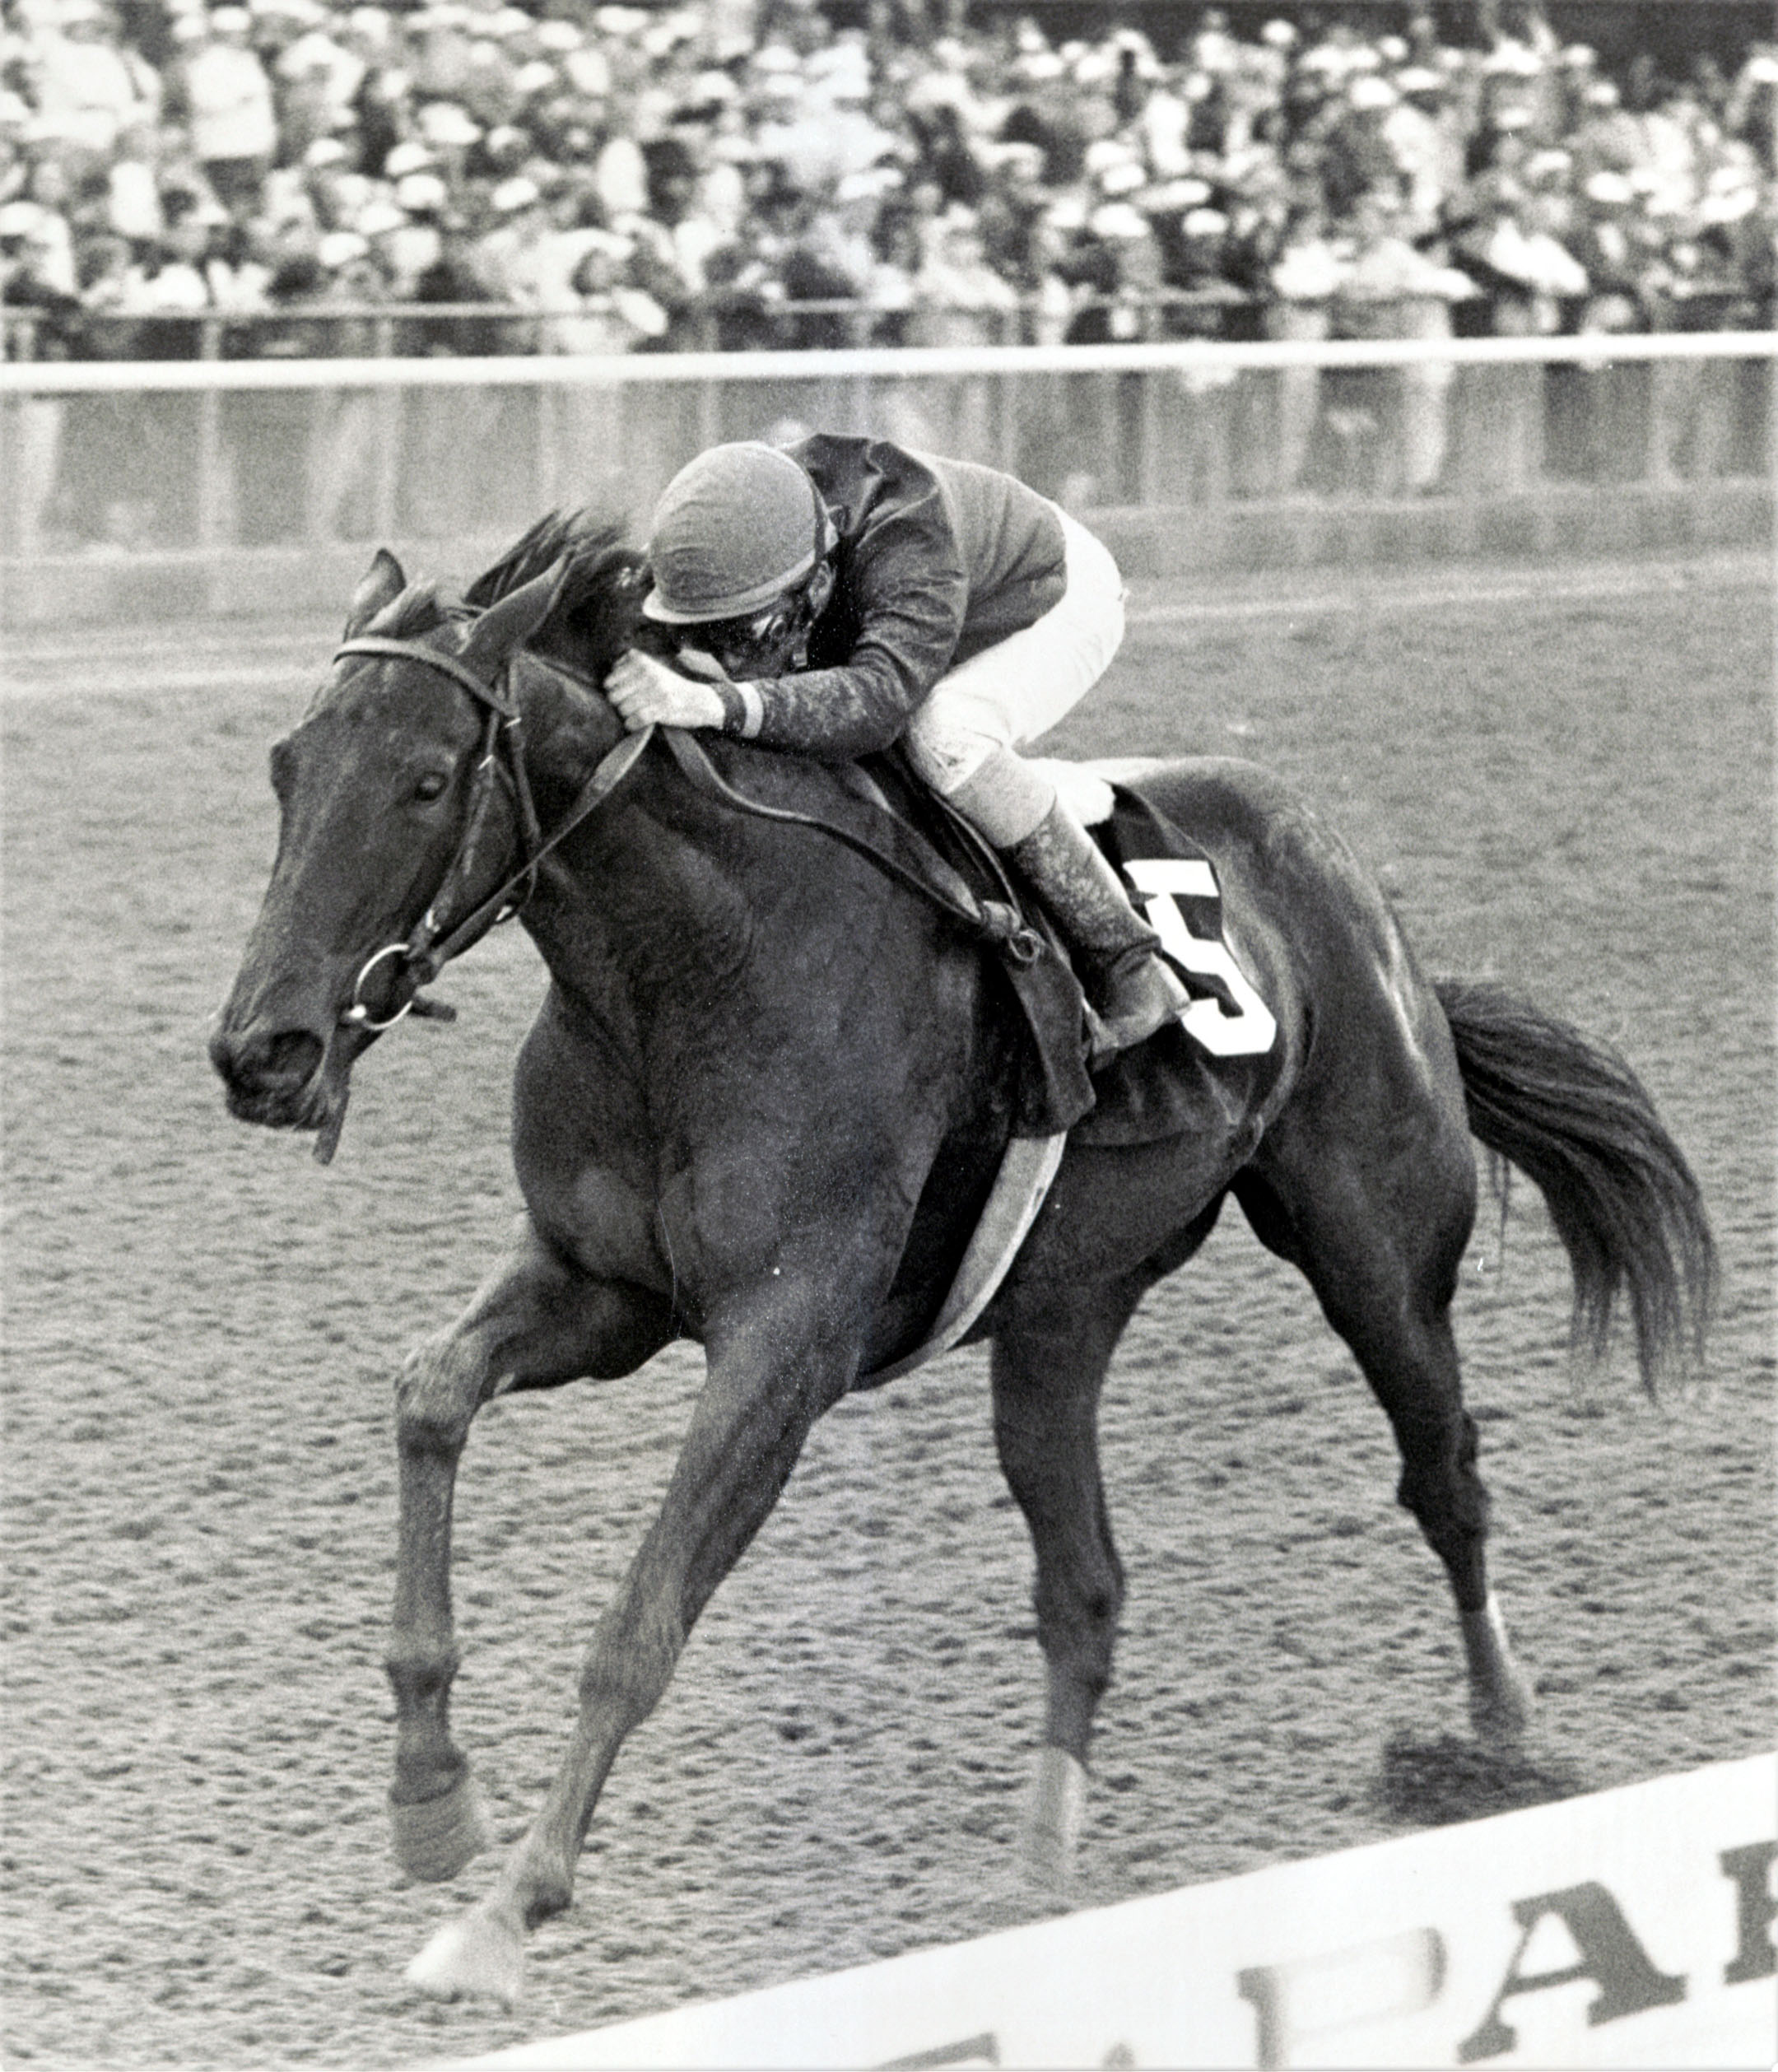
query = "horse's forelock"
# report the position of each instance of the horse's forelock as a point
(599, 601)
(418, 609)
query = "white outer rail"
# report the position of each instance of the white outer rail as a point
(66, 378)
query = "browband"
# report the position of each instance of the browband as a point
(433, 658)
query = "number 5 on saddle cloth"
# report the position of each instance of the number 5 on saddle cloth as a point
(1223, 1050)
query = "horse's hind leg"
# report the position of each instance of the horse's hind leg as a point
(1048, 1366)
(1379, 1232)
(535, 1321)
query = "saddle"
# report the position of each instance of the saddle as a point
(1191, 1078)
(1155, 1090)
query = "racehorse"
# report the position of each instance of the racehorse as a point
(761, 1107)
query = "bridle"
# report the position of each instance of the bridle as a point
(433, 941)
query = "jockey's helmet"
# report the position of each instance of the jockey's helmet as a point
(736, 528)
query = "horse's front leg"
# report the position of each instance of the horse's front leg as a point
(538, 1319)
(778, 1357)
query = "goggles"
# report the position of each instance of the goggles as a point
(736, 642)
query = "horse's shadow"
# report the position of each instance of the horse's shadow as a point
(1430, 1782)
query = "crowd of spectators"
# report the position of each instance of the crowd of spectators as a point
(730, 173)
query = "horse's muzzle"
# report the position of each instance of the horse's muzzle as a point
(273, 1077)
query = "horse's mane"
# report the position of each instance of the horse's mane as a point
(602, 592)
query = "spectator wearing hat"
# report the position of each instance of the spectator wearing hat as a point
(1048, 111)
(838, 259)
(452, 279)
(1198, 256)
(87, 94)
(1519, 92)
(1391, 289)
(1358, 158)
(1425, 137)
(446, 131)
(1608, 138)
(436, 51)
(409, 248)
(959, 298)
(1612, 243)
(512, 257)
(233, 114)
(317, 78)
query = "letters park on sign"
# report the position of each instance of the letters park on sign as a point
(1631, 1928)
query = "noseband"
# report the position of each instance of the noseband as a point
(435, 942)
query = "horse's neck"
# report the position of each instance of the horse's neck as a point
(649, 897)
(670, 895)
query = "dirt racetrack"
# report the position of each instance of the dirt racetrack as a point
(1564, 777)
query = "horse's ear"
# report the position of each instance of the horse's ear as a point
(510, 623)
(382, 584)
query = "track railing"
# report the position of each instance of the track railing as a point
(125, 459)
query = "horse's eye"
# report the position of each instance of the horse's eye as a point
(432, 786)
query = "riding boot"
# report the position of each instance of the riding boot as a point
(1131, 988)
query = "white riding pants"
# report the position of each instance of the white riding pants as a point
(1011, 693)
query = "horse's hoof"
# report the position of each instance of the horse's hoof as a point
(1501, 1717)
(435, 1838)
(1053, 1825)
(482, 1955)
(1501, 1702)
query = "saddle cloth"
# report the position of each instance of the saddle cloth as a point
(1167, 1087)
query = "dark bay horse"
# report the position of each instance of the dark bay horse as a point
(762, 1103)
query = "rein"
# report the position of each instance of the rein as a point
(434, 942)
(993, 921)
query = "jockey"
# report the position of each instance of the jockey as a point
(843, 595)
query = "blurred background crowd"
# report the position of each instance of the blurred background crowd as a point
(567, 177)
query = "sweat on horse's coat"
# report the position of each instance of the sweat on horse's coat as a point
(761, 1105)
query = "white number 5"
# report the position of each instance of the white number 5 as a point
(1246, 1034)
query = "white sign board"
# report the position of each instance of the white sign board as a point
(1631, 1928)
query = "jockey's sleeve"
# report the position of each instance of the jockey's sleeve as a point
(903, 595)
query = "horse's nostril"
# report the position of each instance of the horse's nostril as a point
(266, 1063)
(292, 1056)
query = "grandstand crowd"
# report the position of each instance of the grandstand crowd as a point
(732, 174)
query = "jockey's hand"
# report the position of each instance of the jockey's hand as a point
(646, 692)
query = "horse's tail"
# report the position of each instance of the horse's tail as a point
(1576, 1120)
